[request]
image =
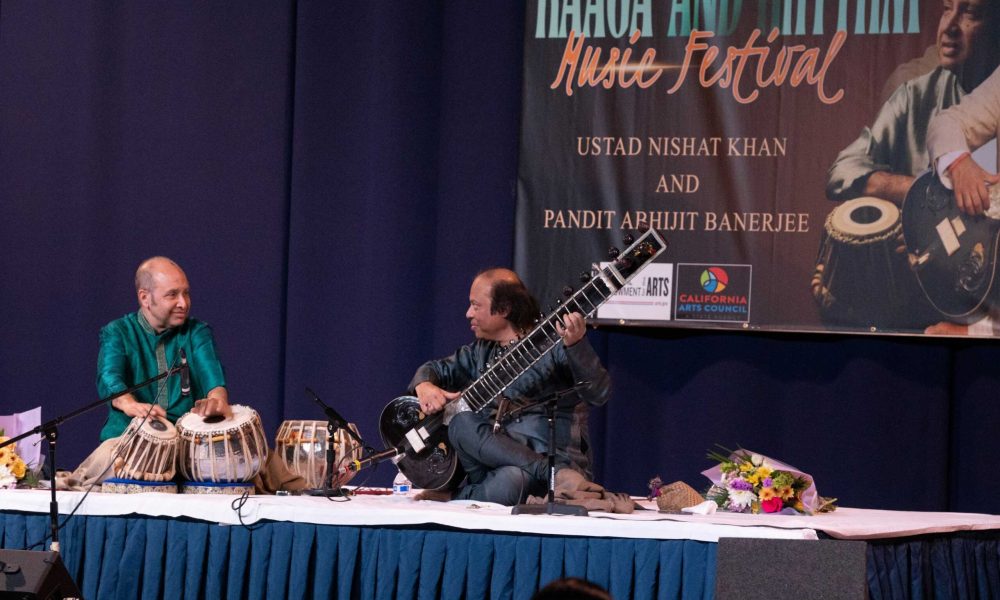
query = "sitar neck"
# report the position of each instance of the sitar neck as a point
(517, 358)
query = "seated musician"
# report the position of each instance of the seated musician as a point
(507, 467)
(147, 342)
(888, 155)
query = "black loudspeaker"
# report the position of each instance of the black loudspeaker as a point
(820, 570)
(29, 575)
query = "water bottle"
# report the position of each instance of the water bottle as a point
(400, 485)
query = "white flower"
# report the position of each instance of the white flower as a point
(740, 499)
(7, 479)
(756, 460)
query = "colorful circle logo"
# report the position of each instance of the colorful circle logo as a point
(714, 279)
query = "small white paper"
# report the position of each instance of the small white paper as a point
(708, 507)
(947, 235)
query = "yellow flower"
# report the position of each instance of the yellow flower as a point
(753, 478)
(763, 472)
(19, 468)
(786, 492)
(744, 467)
(799, 506)
(766, 494)
(5, 453)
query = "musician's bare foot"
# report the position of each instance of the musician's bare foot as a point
(435, 495)
(946, 328)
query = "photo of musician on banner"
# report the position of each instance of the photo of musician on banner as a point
(708, 124)
(877, 233)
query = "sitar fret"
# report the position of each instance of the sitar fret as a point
(500, 385)
(584, 311)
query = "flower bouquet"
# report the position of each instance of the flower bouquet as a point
(12, 468)
(745, 481)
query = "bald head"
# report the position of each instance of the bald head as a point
(492, 276)
(163, 292)
(150, 268)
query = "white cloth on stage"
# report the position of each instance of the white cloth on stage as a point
(404, 510)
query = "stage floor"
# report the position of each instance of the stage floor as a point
(404, 510)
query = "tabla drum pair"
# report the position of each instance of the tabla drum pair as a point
(216, 451)
(302, 445)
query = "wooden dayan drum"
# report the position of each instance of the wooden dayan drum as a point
(222, 450)
(859, 258)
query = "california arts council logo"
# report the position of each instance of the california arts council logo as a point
(713, 293)
(714, 279)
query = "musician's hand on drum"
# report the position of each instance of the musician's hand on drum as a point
(572, 329)
(211, 406)
(432, 398)
(970, 182)
(133, 408)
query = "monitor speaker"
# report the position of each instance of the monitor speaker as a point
(29, 575)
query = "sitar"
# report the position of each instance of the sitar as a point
(952, 254)
(419, 442)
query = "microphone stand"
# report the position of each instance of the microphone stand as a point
(50, 430)
(334, 421)
(551, 507)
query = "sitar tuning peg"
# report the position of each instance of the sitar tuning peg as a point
(627, 239)
(568, 291)
(585, 277)
(613, 252)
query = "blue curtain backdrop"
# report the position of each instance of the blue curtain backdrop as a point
(331, 175)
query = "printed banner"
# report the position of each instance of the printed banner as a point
(773, 144)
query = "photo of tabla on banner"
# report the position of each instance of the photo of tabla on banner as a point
(778, 138)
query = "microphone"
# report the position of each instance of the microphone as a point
(504, 416)
(357, 465)
(185, 375)
(334, 417)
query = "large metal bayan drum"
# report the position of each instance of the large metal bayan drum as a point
(222, 450)
(860, 261)
(302, 445)
(147, 451)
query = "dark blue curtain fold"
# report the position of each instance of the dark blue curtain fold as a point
(331, 176)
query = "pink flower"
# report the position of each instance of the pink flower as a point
(773, 505)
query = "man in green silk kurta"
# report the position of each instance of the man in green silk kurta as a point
(147, 342)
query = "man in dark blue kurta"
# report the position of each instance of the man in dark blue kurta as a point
(507, 467)
(147, 342)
